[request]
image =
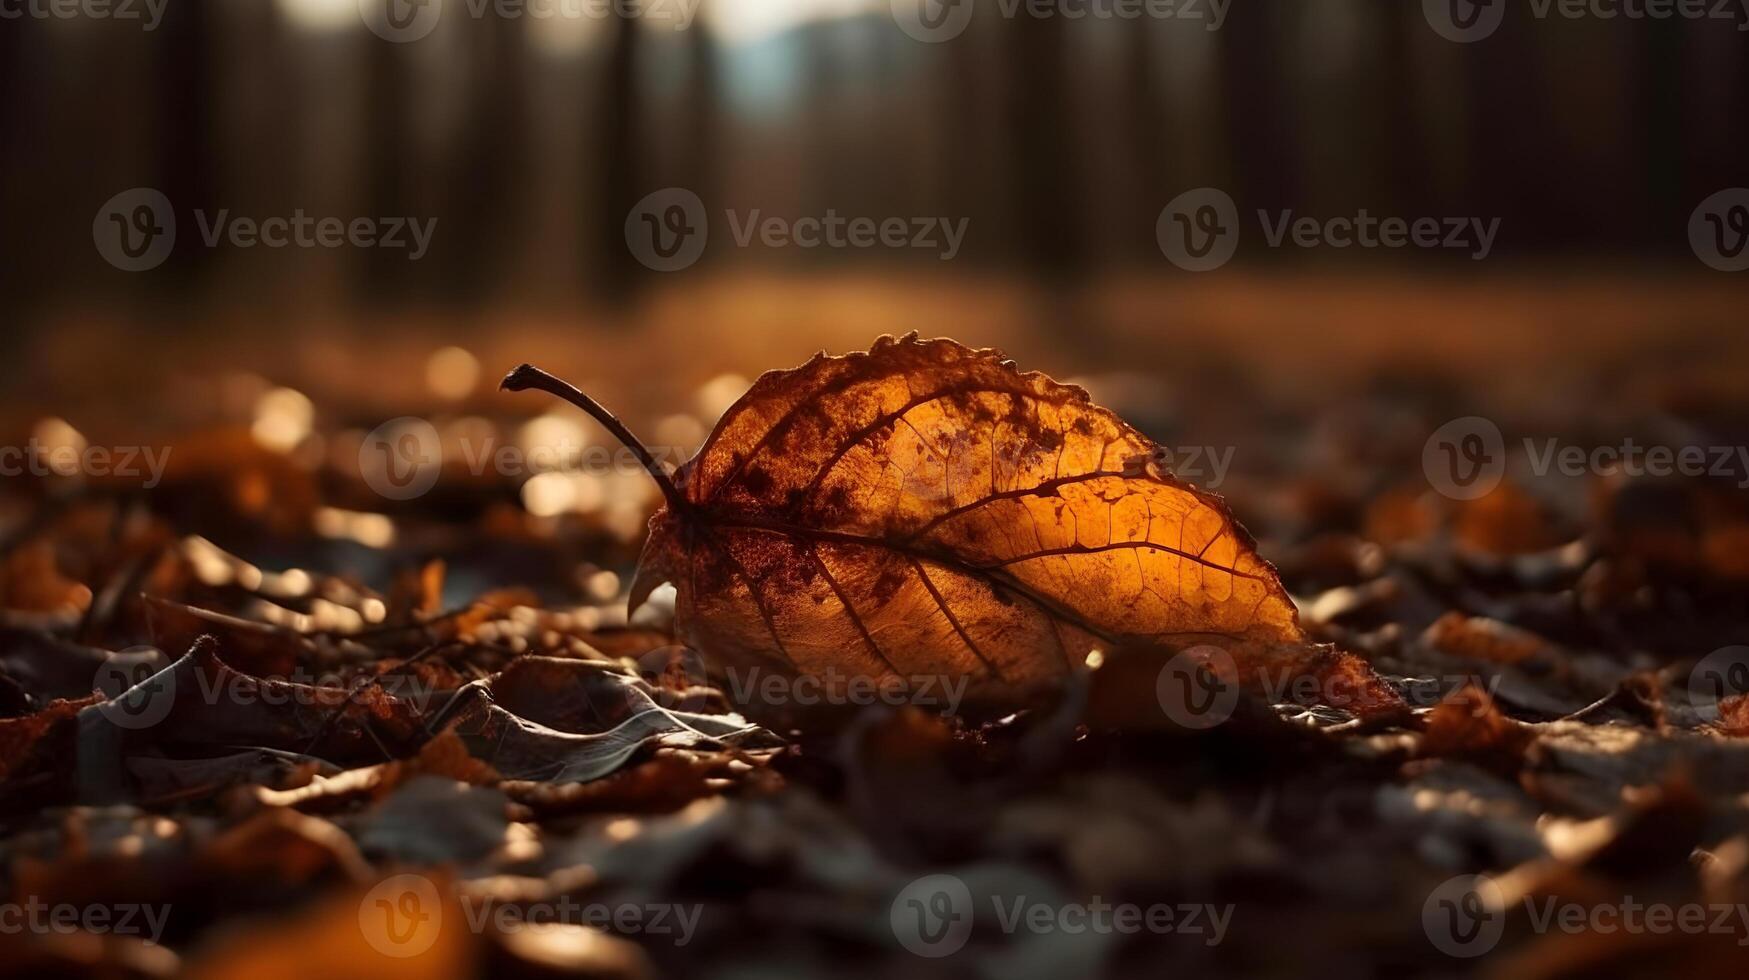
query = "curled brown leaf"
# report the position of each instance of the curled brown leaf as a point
(924, 510)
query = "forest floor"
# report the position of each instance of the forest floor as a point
(424, 738)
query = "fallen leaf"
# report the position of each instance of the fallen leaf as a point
(21, 738)
(433, 820)
(1734, 716)
(1469, 724)
(48, 666)
(162, 780)
(444, 755)
(261, 649)
(564, 721)
(669, 780)
(201, 705)
(31, 580)
(925, 510)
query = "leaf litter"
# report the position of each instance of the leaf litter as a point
(259, 750)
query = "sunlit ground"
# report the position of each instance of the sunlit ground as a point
(1306, 337)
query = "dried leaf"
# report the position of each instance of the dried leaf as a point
(164, 780)
(254, 648)
(1734, 716)
(1469, 724)
(669, 780)
(925, 509)
(574, 721)
(200, 704)
(20, 738)
(47, 666)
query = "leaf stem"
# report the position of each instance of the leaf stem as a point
(528, 376)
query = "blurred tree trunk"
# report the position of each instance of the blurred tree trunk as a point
(1662, 118)
(1694, 136)
(1144, 121)
(260, 120)
(965, 160)
(1408, 172)
(704, 166)
(185, 135)
(619, 162)
(20, 287)
(1260, 123)
(1046, 195)
(474, 237)
(828, 171)
(388, 167)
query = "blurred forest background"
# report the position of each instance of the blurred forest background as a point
(529, 139)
